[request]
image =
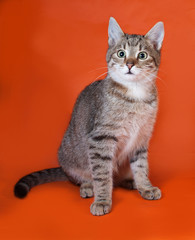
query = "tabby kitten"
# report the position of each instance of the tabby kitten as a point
(106, 143)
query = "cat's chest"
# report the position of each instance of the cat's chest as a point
(136, 129)
(135, 124)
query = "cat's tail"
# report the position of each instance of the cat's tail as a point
(24, 185)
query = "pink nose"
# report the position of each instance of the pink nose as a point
(130, 65)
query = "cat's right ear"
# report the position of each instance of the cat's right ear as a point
(114, 32)
(156, 35)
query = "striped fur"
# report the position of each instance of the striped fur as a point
(24, 185)
(107, 139)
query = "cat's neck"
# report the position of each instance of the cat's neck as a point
(139, 91)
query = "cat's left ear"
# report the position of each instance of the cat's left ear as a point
(156, 35)
(114, 32)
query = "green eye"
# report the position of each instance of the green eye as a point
(121, 54)
(142, 55)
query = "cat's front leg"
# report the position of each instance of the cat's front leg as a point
(139, 166)
(101, 151)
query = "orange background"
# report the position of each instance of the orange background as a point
(49, 51)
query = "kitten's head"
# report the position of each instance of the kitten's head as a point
(133, 58)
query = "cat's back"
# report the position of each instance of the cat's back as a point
(92, 94)
(86, 108)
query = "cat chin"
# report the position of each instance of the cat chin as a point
(124, 77)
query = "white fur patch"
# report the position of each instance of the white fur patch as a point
(137, 83)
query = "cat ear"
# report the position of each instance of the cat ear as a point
(114, 32)
(156, 35)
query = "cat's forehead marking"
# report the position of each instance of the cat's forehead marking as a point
(133, 40)
(133, 43)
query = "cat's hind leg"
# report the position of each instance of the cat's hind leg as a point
(86, 190)
(82, 178)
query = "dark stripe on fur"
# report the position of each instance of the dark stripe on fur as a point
(103, 137)
(140, 166)
(100, 179)
(101, 199)
(91, 147)
(96, 167)
(138, 41)
(98, 156)
(137, 154)
(151, 101)
(155, 61)
(24, 185)
(134, 159)
(102, 173)
(142, 150)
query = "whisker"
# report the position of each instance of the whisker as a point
(100, 75)
(155, 76)
(150, 80)
(97, 69)
(147, 77)
(159, 79)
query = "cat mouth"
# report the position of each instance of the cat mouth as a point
(129, 72)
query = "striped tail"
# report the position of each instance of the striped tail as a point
(24, 185)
